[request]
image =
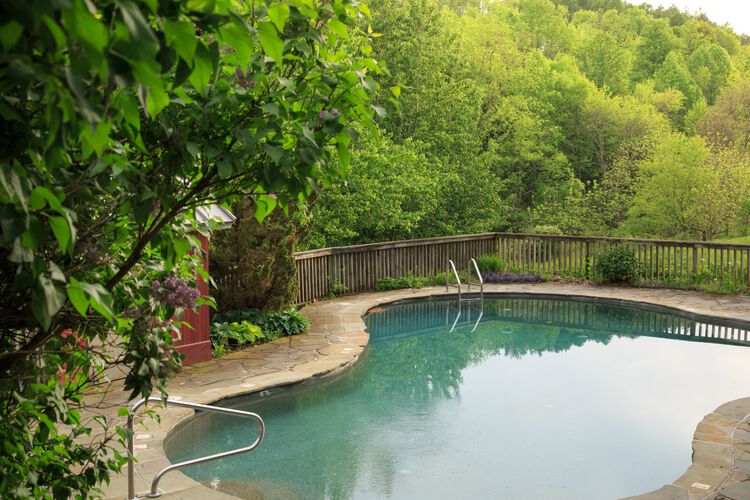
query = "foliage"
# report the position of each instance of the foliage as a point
(119, 119)
(274, 324)
(689, 191)
(254, 260)
(618, 264)
(490, 263)
(727, 122)
(236, 334)
(336, 288)
(519, 115)
(409, 281)
(500, 277)
(285, 323)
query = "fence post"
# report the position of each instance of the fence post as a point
(587, 273)
(695, 263)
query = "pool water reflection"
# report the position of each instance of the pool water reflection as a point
(524, 398)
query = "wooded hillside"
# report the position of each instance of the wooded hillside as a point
(574, 116)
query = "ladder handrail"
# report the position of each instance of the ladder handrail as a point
(473, 264)
(452, 267)
(194, 406)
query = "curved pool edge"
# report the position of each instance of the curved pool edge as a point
(337, 338)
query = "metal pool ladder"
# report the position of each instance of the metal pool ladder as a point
(448, 284)
(473, 269)
(179, 465)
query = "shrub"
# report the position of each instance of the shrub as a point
(511, 278)
(618, 264)
(235, 334)
(336, 288)
(407, 281)
(490, 264)
(228, 328)
(285, 323)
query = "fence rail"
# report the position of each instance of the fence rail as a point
(358, 268)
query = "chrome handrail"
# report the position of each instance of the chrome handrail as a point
(194, 406)
(473, 264)
(452, 267)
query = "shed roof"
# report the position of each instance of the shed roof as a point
(223, 217)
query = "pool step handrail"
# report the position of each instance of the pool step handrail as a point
(179, 465)
(452, 268)
(474, 268)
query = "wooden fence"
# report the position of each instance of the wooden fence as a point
(358, 268)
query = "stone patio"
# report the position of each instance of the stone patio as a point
(721, 445)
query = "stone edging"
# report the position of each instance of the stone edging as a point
(721, 445)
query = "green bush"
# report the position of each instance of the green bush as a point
(240, 327)
(235, 334)
(285, 323)
(490, 264)
(408, 281)
(618, 264)
(336, 288)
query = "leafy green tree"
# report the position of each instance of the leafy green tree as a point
(711, 67)
(119, 119)
(610, 122)
(727, 122)
(674, 74)
(606, 63)
(656, 41)
(689, 191)
(542, 25)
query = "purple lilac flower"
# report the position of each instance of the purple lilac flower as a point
(174, 292)
(511, 278)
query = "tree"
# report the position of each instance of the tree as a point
(656, 41)
(120, 118)
(606, 63)
(727, 122)
(711, 67)
(689, 191)
(674, 74)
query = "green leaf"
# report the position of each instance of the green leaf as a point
(271, 107)
(46, 300)
(10, 33)
(271, 43)
(339, 28)
(100, 299)
(181, 37)
(85, 26)
(35, 235)
(95, 139)
(202, 69)
(42, 196)
(202, 6)
(77, 297)
(61, 230)
(264, 205)
(342, 146)
(276, 153)
(136, 23)
(278, 12)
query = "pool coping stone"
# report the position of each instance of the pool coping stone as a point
(337, 338)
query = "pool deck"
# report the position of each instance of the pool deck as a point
(721, 444)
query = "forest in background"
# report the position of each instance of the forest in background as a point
(567, 117)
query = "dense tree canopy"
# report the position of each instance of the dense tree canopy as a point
(119, 119)
(553, 109)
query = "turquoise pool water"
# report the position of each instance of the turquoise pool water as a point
(535, 399)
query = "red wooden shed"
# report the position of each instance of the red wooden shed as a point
(195, 341)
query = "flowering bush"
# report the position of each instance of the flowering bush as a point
(511, 278)
(174, 292)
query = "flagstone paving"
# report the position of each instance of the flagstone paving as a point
(336, 339)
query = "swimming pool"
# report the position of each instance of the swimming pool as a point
(510, 398)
